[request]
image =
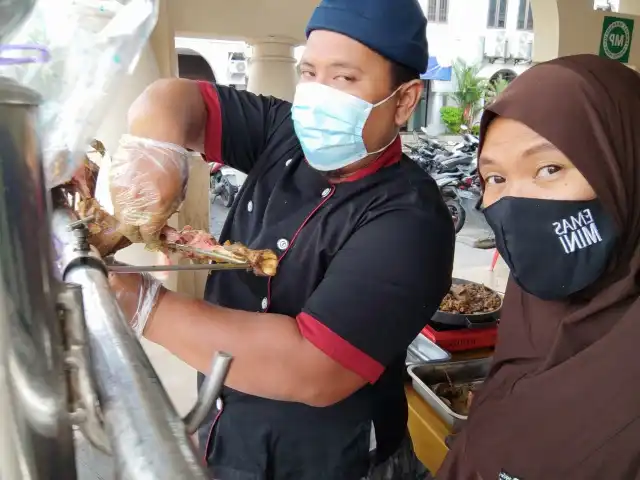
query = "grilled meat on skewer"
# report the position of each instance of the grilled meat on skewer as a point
(105, 232)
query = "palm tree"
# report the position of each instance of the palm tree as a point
(470, 89)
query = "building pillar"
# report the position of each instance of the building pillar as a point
(546, 29)
(630, 7)
(194, 212)
(162, 42)
(272, 68)
(434, 124)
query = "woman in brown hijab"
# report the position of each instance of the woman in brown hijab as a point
(560, 161)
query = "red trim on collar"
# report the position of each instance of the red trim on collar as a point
(391, 155)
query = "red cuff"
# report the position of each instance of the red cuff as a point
(339, 349)
(213, 127)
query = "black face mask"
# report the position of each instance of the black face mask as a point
(554, 248)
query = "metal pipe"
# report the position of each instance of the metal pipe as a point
(209, 393)
(84, 399)
(148, 438)
(36, 439)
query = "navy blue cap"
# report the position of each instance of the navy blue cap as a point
(396, 29)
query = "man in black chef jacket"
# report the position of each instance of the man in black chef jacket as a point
(364, 239)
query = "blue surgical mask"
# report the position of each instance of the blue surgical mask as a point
(329, 123)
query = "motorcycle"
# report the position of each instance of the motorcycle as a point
(432, 162)
(222, 184)
(447, 184)
(471, 142)
(462, 192)
(455, 172)
(434, 158)
(463, 162)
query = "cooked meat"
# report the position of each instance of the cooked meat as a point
(103, 231)
(106, 234)
(469, 298)
(457, 397)
(264, 262)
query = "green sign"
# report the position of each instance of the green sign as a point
(615, 43)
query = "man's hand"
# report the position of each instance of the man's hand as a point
(147, 181)
(138, 295)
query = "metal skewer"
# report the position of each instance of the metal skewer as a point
(82, 221)
(176, 268)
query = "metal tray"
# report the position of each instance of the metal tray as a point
(422, 350)
(424, 376)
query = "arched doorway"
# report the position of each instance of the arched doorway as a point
(505, 74)
(193, 66)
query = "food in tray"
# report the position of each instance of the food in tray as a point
(197, 245)
(470, 298)
(457, 397)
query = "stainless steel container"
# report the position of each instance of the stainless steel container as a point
(36, 441)
(12, 14)
(422, 350)
(425, 376)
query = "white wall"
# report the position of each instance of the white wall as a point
(459, 37)
(115, 123)
(614, 3)
(463, 37)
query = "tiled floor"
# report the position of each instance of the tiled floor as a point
(180, 380)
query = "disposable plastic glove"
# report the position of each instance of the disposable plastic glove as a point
(147, 182)
(137, 294)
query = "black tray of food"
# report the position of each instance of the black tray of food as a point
(469, 304)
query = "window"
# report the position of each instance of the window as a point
(497, 14)
(438, 11)
(605, 6)
(525, 17)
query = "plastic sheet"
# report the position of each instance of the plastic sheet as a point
(92, 45)
(137, 295)
(148, 182)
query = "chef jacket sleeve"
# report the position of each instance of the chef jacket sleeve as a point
(380, 290)
(240, 125)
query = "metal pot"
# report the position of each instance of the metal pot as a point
(472, 320)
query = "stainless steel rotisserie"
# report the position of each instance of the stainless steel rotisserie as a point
(68, 358)
(36, 440)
